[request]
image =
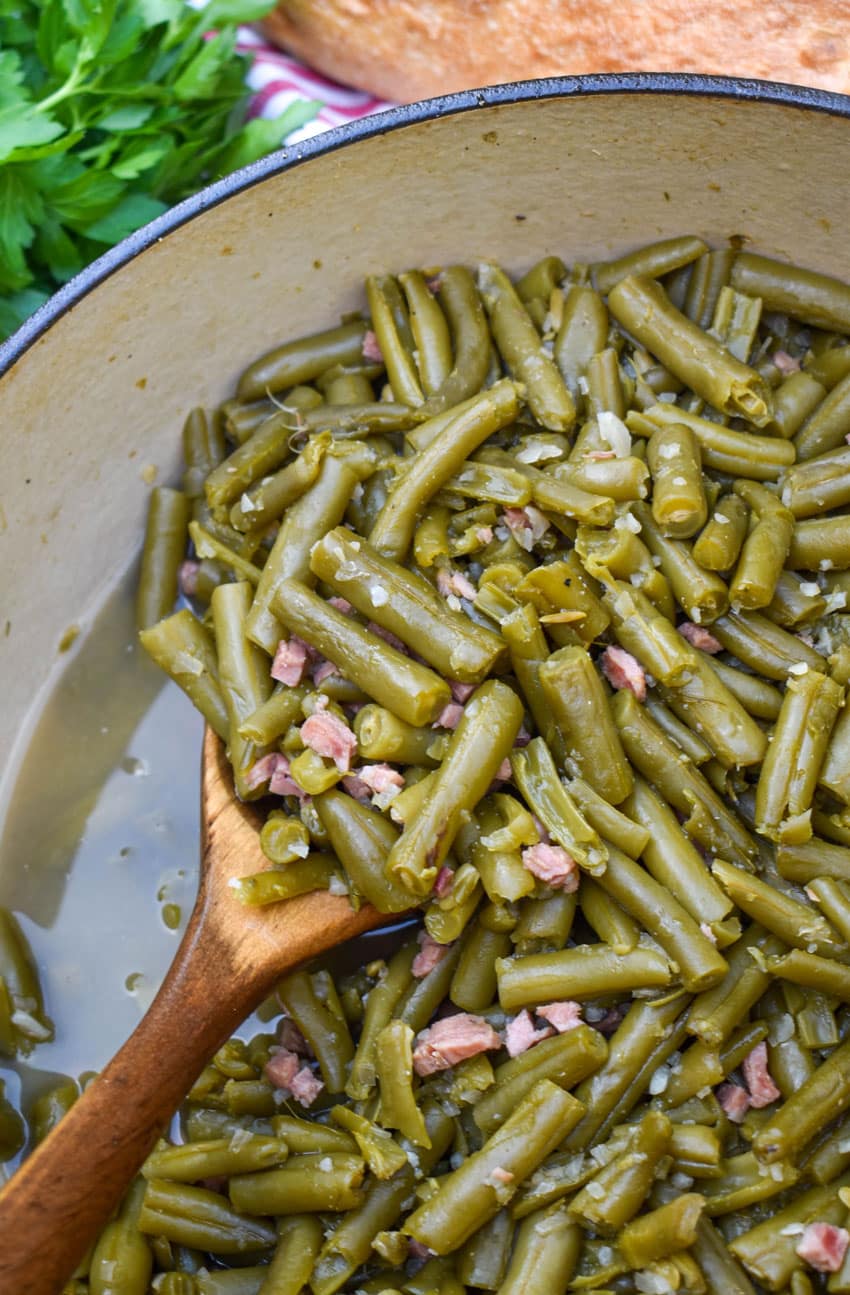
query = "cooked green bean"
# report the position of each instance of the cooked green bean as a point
(243, 677)
(794, 923)
(709, 275)
(820, 544)
(433, 349)
(610, 822)
(765, 548)
(610, 922)
(804, 861)
(582, 334)
(316, 872)
(165, 542)
(262, 503)
(583, 972)
(394, 1071)
(763, 646)
(121, 1260)
(324, 1029)
(565, 1060)
(437, 463)
(723, 449)
(715, 1013)
(769, 1248)
(535, 774)
(299, 1239)
(702, 595)
(576, 696)
(789, 774)
(459, 299)
(302, 361)
(472, 1194)
(523, 352)
(195, 1216)
(306, 1184)
(654, 260)
(625, 1180)
(678, 498)
(804, 294)
(217, 1158)
(545, 1254)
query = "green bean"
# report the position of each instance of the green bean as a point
(493, 482)
(834, 898)
(523, 352)
(316, 511)
(299, 1239)
(579, 706)
(604, 384)
(677, 865)
(49, 1108)
(582, 334)
(622, 479)
(818, 484)
(394, 1070)
(765, 548)
(380, 1004)
(342, 386)
(437, 463)
(609, 822)
(409, 690)
(709, 275)
(21, 989)
(483, 738)
(209, 546)
(654, 260)
(820, 544)
(362, 838)
(736, 320)
(308, 1136)
(484, 1258)
(825, 427)
(794, 402)
(470, 338)
(648, 1035)
(613, 926)
(564, 1060)
(165, 542)
(742, 1183)
(763, 646)
(298, 878)
(564, 585)
(243, 677)
(793, 604)
(807, 969)
(690, 742)
(419, 1002)
(707, 819)
(324, 1029)
(535, 774)
(691, 953)
(545, 1254)
(473, 986)
(545, 923)
(121, 1260)
(830, 1157)
(401, 370)
(642, 306)
(664, 1231)
(556, 494)
(275, 715)
(678, 498)
(789, 774)
(266, 500)
(219, 1157)
(430, 330)
(203, 449)
(723, 449)
(804, 294)
(805, 861)
(350, 1242)
(829, 366)
(794, 923)
(184, 648)
(407, 605)
(701, 594)
(503, 874)
(833, 826)
(302, 361)
(306, 1184)
(471, 1195)
(769, 1249)
(715, 1013)
(538, 283)
(583, 972)
(625, 1180)
(383, 736)
(194, 1216)
(383, 1155)
(760, 698)
(721, 1271)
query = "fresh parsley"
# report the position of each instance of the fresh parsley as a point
(110, 112)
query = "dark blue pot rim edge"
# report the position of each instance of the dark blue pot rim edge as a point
(380, 123)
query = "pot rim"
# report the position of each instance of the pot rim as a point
(380, 123)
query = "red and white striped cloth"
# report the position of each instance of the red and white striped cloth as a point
(279, 80)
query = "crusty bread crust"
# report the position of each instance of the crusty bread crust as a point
(413, 49)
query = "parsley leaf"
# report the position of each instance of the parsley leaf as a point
(110, 112)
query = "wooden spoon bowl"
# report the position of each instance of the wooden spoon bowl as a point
(228, 961)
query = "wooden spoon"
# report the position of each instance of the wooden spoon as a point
(227, 962)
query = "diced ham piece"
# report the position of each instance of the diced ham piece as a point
(552, 864)
(596, 456)
(455, 582)
(763, 1090)
(322, 670)
(273, 769)
(329, 736)
(622, 670)
(370, 349)
(823, 1246)
(450, 716)
(305, 1087)
(282, 1067)
(501, 1175)
(388, 637)
(735, 1101)
(521, 1034)
(187, 577)
(564, 1015)
(341, 605)
(444, 882)
(357, 788)
(290, 661)
(527, 525)
(430, 955)
(291, 1039)
(699, 637)
(451, 1040)
(461, 692)
(504, 771)
(786, 363)
(380, 778)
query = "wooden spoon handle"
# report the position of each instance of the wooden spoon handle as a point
(60, 1198)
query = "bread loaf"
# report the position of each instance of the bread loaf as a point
(413, 49)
